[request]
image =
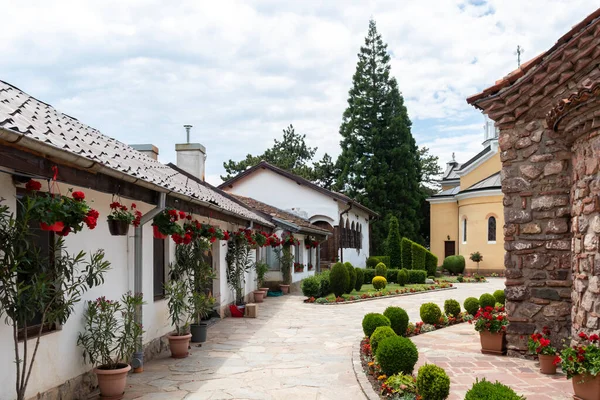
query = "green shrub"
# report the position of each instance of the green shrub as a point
(430, 313)
(471, 305)
(374, 260)
(500, 297)
(360, 279)
(397, 354)
(431, 262)
(406, 245)
(433, 383)
(454, 264)
(394, 250)
(416, 276)
(487, 300)
(402, 277)
(381, 270)
(392, 275)
(379, 282)
(368, 275)
(338, 279)
(398, 319)
(351, 277)
(324, 279)
(372, 321)
(451, 306)
(311, 286)
(485, 390)
(380, 333)
(418, 253)
(460, 278)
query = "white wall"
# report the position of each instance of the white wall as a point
(358, 258)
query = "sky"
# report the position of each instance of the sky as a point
(242, 71)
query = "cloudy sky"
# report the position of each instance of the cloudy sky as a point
(241, 71)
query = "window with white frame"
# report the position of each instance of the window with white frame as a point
(464, 236)
(271, 258)
(492, 230)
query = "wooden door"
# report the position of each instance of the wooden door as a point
(328, 248)
(449, 248)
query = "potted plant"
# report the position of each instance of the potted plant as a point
(121, 217)
(202, 306)
(539, 344)
(582, 364)
(476, 257)
(239, 262)
(165, 223)
(109, 340)
(491, 324)
(176, 292)
(286, 260)
(261, 269)
(298, 267)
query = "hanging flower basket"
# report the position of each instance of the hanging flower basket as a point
(165, 223)
(121, 217)
(55, 227)
(157, 234)
(118, 227)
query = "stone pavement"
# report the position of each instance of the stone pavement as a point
(304, 351)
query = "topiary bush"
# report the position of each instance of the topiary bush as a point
(392, 275)
(351, 277)
(397, 354)
(398, 319)
(431, 262)
(430, 313)
(372, 321)
(311, 287)
(368, 275)
(406, 245)
(338, 279)
(379, 282)
(381, 270)
(324, 280)
(487, 300)
(451, 306)
(416, 276)
(380, 333)
(402, 278)
(471, 305)
(418, 253)
(433, 383)
(485, 390)
(454, 264)
(500, 297)
(374, 260)
(394, 251)
(360, 279)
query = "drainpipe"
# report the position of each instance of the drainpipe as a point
(341, 215)
(138, 357)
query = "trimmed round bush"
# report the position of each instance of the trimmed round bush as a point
(368, 275)
(487, 300)
(471, 305)
(402, 277)
(381, 270)
(433, 383)
(338, 279)
(451, 306)
(311, 287)
(454, 264)
(360, 279)
(485, 390)
(372, 321)
(416, 276)
(351, 277)
(500, 297)
(397, 354)
(379, 282)
(324, 279)
(430, 313)
(398, 319)
(381, 333)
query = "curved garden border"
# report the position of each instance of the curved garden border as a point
(382, 297)
(361, 376)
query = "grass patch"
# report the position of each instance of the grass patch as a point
(391, 287)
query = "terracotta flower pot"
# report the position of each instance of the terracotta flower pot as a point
(117, 227)
(547, 364)
(55, 227)
(265, 289)
(157, 233)
(179, 345)
(586, 387)
(112, 381)
(285, 288)
(492, 343)
(258, 296)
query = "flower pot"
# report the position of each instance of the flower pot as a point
(157, 233)
(55, 227)
(199, 332)
(285, 288)
(258, 296)
(265, 289)
(112, 381)
(179, 345)
(492, 343)
(547, 364)
(236, 312)
(118, 227)
(586, 387)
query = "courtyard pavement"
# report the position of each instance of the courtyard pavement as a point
(304, 351)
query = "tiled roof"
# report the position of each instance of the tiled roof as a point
(30, 117)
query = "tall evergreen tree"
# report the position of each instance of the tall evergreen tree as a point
(379, 164)
(394, 250)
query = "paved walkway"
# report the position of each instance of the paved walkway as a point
(304, 351)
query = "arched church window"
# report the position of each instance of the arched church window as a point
(492, 229)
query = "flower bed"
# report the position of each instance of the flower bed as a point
(379, 294)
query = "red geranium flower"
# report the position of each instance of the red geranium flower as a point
(93, 213)
(594, 338)
(583, 335)
(181, 214)
(79, 196)
(33, 186)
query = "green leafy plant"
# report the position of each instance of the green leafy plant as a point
(431, 262)
(417, 276)
(166, 222)
(324, 278)
(433, 383)
(381, 270)
(419, 255)
(360, 279)
(477, 258)
(371, 321)
(471, 305)
(406, 245)
(398, 319)
(380, 333)
(486, 300)
(261, 269)
(394, 251)
(485, 390)
(311, 286)
(402, 384)
(454, 264)
(581, 359)
(500, 296)
(239, 263)
(176, 292)
(490, 319)
(430, 313)
(539, 343)
(379, 282)
(111, 333)
(460, 278)
(338, 279)
(351, 277)
(402, 277)
(451, 307)
(397, 354)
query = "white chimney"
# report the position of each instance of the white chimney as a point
(191, 156)
(148, 150)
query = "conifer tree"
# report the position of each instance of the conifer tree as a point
(379, 164)
(393, 244)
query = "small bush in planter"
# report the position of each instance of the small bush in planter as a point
(451, 307)
(397, 354)
(372, 321)
(471, 305)
(379, 282)
(417, 276)
(381, 270)
(360, 279)
(398, 319)
(487, 300)
(338, 279)
(430, 313)
(351, 277)
(499, 296)
(402, 277)
(485, 390)
(381, 333)
(433, 383)
(311, 286)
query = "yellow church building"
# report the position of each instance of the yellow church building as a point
(467, 215)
